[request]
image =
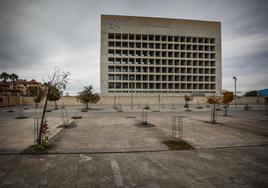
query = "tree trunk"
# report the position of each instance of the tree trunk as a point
(13, 83)
(213, 114)
(43, 117)
(87, 106)
(56, 106)
(36, 104)
(7, 101)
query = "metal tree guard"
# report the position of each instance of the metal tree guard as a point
(20, 111)
(36, 130)
(64, 115)
(38, 137)
(177, 127)
(145, 116)
(213, 116)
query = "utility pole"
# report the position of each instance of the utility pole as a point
(235, 79)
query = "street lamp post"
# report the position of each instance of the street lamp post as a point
(114, 102)
(235, 79)
(131, 78)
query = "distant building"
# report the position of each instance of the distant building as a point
(263, 92)
(29, 88)
(144, 56)
(20, 87)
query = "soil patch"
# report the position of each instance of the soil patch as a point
(145, 125)
(21, 117)
(178, 145)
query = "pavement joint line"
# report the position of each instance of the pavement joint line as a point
(226, 147)
(234, 126)
(116, 172)
(126, 152)
(97, 152)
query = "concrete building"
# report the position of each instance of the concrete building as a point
(144, 56)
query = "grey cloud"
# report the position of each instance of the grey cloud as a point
(33, 30)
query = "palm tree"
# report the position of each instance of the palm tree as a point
(4, 76)
(13, 77)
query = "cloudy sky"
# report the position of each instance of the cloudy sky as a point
(37, 35)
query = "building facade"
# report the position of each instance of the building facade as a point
(145, 56)
(27, 88)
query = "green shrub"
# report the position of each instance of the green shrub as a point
(43, 146)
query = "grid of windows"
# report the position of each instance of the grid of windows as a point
(144, 63)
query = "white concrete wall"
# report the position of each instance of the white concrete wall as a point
(126, 100)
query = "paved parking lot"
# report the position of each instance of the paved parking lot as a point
(18, 134)
(229, 167)
(106, 148)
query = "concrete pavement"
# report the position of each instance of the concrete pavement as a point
(229, 167)
(233, 153)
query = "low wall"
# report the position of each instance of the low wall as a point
(249, 100)
(149, 100)
(67, 101)
(9, 101)
(29, 101)
(126, 101)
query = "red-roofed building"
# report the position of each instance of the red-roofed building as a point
(21, 87)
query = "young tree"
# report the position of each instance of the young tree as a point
(39, 97)
(187, 99)
(58, 80)
(214, 100)
(226, 99)
(54, 95)
(33, 92)
(88, 96)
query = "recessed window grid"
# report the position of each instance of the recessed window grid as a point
(160, 63)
